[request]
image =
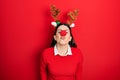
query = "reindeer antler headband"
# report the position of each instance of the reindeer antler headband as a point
(72, 16)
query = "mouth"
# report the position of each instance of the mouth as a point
(63, 38)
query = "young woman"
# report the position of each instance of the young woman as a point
(63, 60)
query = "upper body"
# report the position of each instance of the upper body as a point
(63, 60)
(56, 67)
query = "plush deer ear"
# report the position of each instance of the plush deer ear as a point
(72, 25)
(54, 24)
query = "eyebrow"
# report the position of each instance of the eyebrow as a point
(65, 29)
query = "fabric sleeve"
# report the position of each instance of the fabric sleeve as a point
(78, 73)
(43, 66)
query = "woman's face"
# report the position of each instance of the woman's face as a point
(62, 35)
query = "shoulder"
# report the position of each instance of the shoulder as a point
(46, 52)
(77, 52)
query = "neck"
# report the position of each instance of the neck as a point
(62, 49)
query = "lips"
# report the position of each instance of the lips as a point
(63, 32)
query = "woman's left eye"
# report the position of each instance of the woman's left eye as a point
(67, 31)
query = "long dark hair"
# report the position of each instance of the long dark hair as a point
(71, 43)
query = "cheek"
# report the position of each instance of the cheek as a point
(57, 36)
(68, 37)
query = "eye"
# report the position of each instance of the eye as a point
(58, 31)
(67, 31)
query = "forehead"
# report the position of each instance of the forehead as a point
(63, 27)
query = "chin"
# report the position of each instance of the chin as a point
(63, 43)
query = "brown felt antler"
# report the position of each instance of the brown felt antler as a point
(73, 16)
(55, 12)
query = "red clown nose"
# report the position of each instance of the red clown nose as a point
(63, 32)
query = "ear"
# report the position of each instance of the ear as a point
(54, 37)
(70, 38)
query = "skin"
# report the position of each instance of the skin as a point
(62, 41)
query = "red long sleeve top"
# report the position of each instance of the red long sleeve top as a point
(60, 67)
